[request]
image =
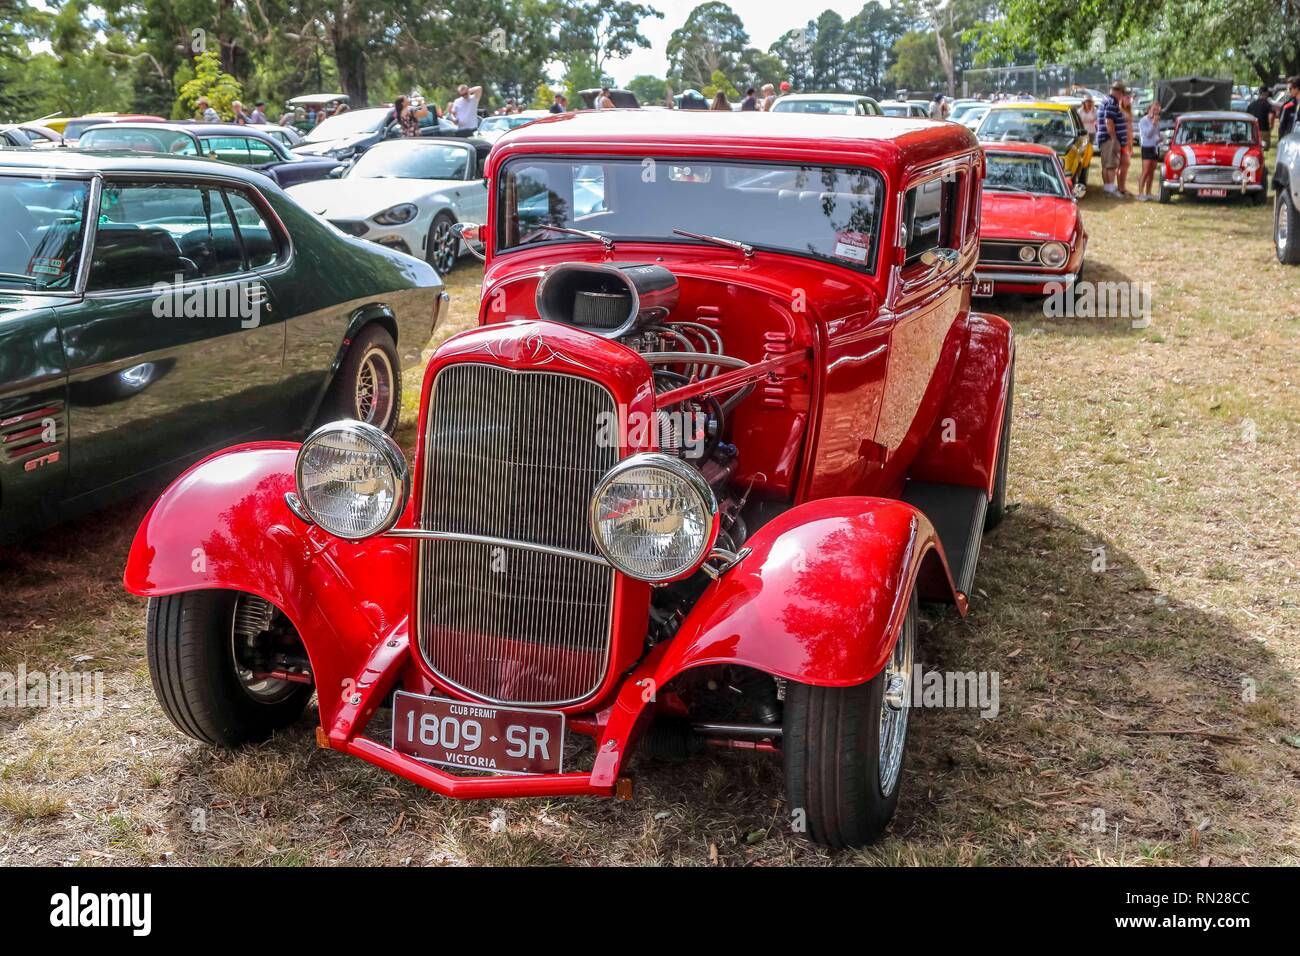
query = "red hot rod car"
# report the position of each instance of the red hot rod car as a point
(726, 418)
(1031, 230)
(1215, 154)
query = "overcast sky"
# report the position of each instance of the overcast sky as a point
(764, 20)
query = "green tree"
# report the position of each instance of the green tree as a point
(605, 30)
(210, 81)
(718, 83)
(916, 62)
(648, 89)
(712, 38)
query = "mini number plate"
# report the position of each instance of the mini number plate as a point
(1215, 193)
(982, 289)
(454, 733)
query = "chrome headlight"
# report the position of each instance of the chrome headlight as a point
(1053, 254)
(654, 517)
(1176, 161)
(352, 479)
(1251, 163)
(396, 215)
(1027, 253)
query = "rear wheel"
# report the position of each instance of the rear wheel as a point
(207, 660)
(1286, 228)
(368, 386)
(844, 748)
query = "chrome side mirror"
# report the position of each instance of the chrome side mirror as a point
(469, 233)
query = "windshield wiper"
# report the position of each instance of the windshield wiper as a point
(744, 247)
(606, 241)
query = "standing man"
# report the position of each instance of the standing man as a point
(206, 112)
(241, 118)
(464, 109)
(1112, 134)
(1286, 116)
(258, 116)
(750, 102)
(561, 104)
(1262, 110)
(938, 108)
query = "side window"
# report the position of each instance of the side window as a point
(259, 241)
(229, 149)
(150, 233)
(259, 153)
(930, 217)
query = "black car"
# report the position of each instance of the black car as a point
(155, 308)
(242, 145)
(348, 135)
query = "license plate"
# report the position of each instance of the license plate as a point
(982, 289)
(1215, 193)
(453, 733)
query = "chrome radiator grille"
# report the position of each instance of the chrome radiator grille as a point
(514, 456)
(1210, 174)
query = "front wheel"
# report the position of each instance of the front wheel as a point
(208, 658)
(1286, 228)
(444, 246)
(1166, 194)
(368, 386)
(844, 749)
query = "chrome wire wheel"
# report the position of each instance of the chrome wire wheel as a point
(263, 689)
(895, 703)
(444, 245)
(373, 398)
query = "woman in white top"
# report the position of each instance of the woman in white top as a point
(1088, 113)
(1149, 140)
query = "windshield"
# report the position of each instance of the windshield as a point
(493, 124)
(823, 211)
(829, 107)
(40, 245)
(139, 140)
(896, 109)
(1052, 127)
(347, 124)
(411, 160)
(1019, 172)
(1221, 132)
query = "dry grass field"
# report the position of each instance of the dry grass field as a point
(1148, 711)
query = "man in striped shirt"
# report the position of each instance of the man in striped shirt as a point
(1112, 134)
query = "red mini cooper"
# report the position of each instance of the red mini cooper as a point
(1031, 230)
(1215, 154)
(727, 417)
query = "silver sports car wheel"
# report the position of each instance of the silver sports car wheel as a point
(443, 244)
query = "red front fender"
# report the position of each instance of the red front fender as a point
(224, 524)
(821, 597)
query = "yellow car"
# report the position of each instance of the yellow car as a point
(1052, 124)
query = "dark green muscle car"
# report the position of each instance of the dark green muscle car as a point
(154, 309)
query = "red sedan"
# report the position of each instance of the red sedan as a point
(1031, 230)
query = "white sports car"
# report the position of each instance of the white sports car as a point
(406, 194)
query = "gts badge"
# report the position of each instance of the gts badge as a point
(41, 462)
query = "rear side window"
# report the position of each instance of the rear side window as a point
(238, 149)
(260, 243)
(152, 233)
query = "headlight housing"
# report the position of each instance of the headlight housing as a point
(352, 479)
(1053, 254)
(396, 215)
(1027, 253)
(654, 517)
(1251, 163)
(1176, 161)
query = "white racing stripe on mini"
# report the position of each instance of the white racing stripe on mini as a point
(1238, 156)
(1190, 154)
